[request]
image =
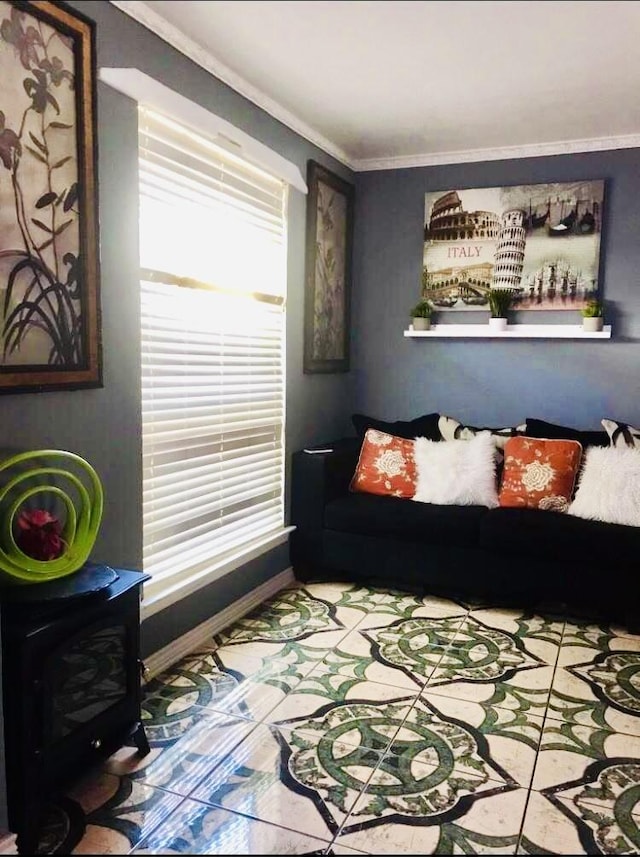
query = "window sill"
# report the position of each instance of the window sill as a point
(177, 590)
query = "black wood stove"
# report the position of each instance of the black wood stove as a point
(71, 684)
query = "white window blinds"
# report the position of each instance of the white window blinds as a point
(213, 275)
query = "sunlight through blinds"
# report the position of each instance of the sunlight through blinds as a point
(213, 279)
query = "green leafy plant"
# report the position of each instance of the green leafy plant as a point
(500, 300)
(422, 310)
(593, 309)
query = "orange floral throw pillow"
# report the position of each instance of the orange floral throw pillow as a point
(539, 474)
(385, 466)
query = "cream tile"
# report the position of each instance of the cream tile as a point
(357, 657)
(292, 614)
(180, 678)
(415, 645)
(291, 784)
(621, 631)
(185, 753)
(575, 700)
(341, 592)
(609, 789)
(232, 658)
(196, 828)
(581, 643)
(548, 830)
(119, 812)
(449, 604)
(244, 686)
(567, 750)
(609, 834)
(480, 645)
(538, 636)
(524, 689)
(320, 699)
(351, 603)
(341, 849)
(8, 844)
(397, 606)
(512, 736)
(309, 649)
(451, 817)
(195, 682)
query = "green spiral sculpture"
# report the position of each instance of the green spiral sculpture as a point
(44, 471)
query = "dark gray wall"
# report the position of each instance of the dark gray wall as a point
(492, 382)
(104, 425)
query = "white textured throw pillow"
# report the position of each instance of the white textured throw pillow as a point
(456, 472)
(609, 486)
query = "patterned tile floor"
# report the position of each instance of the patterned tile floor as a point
(338, 719)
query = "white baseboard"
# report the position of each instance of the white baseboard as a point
(201, 634)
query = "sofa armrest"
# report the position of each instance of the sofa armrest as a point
(316, 479)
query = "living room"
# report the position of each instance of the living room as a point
(476, 381)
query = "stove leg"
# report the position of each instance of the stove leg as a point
(140, 740)
(27, 840)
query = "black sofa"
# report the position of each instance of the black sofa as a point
(522, 557)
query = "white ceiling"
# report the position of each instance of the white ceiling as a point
(404, 83)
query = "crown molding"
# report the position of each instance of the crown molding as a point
(533, 150)
(146, 16)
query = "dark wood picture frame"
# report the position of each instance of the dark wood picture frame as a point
(327, 311)
(49, 262)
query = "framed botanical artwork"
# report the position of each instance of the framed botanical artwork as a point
(49, 277)
(542, 241)
(328, 271)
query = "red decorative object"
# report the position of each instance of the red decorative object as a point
(39, 534)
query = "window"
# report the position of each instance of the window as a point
(213, 279)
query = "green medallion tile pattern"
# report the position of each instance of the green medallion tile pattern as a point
(340, 719)
(120, 812)
(201, 829)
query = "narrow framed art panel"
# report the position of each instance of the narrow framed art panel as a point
(49, 268)
(327, 310)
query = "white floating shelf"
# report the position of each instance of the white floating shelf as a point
(513, 331)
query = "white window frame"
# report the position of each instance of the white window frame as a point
(151, 93)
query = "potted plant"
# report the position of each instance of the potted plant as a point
(592, 315)
(421, 315)
(499, 302)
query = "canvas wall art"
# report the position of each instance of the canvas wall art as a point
(328, 271)
(543, 241)
(49, 311)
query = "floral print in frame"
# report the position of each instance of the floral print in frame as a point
(48, 222)
(328, 271)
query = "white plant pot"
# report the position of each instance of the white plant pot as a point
(421, 323)
(592, 324)
(498, 323)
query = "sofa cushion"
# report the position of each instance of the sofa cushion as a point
(609, 488)
(456, 472)
(622, 434)
(451, 429)
(385, 466)
(390, 517)
(541, 428)
(556, 536)
(424, 426)
(539, 473)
